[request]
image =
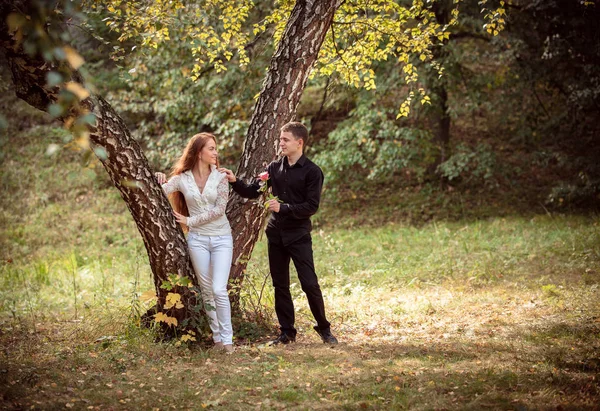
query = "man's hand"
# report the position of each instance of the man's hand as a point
(230, 176)
(273, 205)
(161, 177)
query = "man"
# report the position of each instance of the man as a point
(297, 182)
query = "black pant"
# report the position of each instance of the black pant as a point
(301, 254)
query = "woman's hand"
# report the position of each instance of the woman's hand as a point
(181, 219)
(161, 177)
(230, 176)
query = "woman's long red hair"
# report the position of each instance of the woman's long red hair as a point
(187, 161)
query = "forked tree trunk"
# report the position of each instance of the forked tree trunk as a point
(128, 167)
(289, 69)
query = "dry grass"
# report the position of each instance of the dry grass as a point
(435, 347)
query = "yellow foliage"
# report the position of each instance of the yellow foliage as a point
(163, 318)
(81, 92)
(173, 300)
(187, 337)
(148, 296)
(363, 32)
(74, 59)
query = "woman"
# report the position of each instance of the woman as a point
(199, 196)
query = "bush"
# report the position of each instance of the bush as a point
(583, 193)
(370, 146)
(469, 165)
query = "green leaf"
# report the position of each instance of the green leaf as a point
(59, 53)
(55, 110)
(53, 78)
(101, 153)
(89, 118)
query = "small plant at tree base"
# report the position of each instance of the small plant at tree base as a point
(196, 323)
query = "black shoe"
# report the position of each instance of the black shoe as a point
(326, 336)
(283, 339)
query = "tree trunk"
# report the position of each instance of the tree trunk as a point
(123, 160)
(442, 11)
(289, 69)
(444, 122)
(128, 167)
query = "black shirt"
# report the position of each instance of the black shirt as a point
(299, 187)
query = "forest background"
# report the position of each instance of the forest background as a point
(458, 246)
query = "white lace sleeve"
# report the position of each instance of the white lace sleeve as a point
(172, 185)
(214, 212)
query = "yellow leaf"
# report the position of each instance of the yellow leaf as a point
(162, 317)
(77, 89)
(69, 122)
(74, 59)
(14, 21)
(83, 139)
(173, 300)
(187, 337)
(149, 295)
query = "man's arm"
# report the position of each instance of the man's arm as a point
(243, 189)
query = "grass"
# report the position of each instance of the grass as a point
(498, 313)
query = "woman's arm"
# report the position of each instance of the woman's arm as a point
(169, 186)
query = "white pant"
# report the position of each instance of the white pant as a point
(211, 258)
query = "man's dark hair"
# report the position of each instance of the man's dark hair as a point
(298, 130)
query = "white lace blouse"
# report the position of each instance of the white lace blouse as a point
(207, 208)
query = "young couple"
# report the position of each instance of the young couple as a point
(199, 192)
